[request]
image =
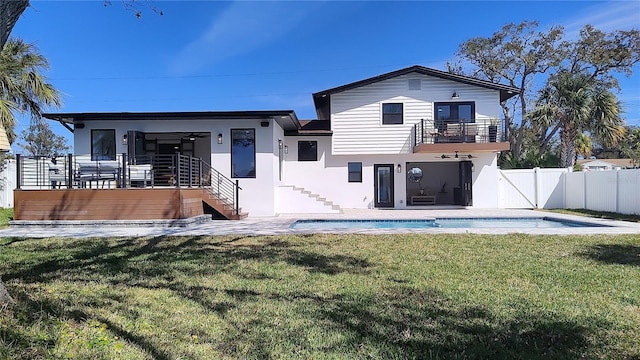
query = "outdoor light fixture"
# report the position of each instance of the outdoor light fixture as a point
(454, 95)
(124, 139)
(399, 168)
(286, 149)
(220, 138)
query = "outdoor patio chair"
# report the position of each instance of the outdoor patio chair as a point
(103, 170)
(140, 174)
(452, 130)
(470, 132)
(57, 175)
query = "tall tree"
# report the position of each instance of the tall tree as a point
(595, 58)
(630, 145)
(40, 141)
(23, 86)
(572, 104)
(10, 11)
(515, 54)
(599, 54)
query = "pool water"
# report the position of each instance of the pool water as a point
(543, 222)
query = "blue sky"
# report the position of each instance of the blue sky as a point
(213, 55)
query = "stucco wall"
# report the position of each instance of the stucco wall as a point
(328, 176)
(257, 195)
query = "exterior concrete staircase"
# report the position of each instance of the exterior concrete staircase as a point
(308, 201)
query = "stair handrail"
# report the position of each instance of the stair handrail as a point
(221, 186)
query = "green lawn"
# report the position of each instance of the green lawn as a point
(597, 214)
(323, 296)
(6, 214)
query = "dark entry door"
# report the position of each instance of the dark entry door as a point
(466, 198)
(136, 148)
(383, 185)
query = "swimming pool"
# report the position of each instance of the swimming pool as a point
(471, 223)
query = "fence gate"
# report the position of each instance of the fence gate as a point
(517, 188)
(532, 188)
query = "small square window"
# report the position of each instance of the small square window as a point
(415, 84)
(392, 113)
(355, 171)
(307, 151)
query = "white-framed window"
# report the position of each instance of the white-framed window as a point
(392, 113)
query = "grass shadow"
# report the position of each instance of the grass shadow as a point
(409, 323)
(614, 254)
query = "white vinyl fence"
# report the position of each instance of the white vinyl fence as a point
(7, 183)
(614, 191)
(531, 188)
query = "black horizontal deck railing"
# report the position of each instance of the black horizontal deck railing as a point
(122, 171)
(459, 131)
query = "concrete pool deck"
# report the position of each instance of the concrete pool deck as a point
(281, 225)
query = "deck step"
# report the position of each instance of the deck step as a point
(222, 206)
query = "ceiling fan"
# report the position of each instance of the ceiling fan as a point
(192, 136)
(455, 156)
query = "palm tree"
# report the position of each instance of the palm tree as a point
(573, 104)
(630, 145)
(23, 87)
(584, 145)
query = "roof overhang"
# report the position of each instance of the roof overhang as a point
(287, 119)
(311, 128)
(506, 92)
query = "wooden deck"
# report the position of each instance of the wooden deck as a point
(115, 204)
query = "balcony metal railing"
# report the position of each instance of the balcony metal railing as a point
(459, 131)
(79, 171)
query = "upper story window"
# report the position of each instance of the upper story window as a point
(392, 113)
(243, 153)
(307, 151)
(103, 144)
(455, 111)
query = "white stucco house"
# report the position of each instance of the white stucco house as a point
(412, 138)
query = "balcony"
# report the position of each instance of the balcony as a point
(460, 135)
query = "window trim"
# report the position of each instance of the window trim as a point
(308, 142)
(395, 114)
(358, 172)
(95, 156)
(255, 165)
